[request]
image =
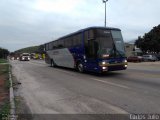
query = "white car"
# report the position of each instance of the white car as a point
(150, 58)
(24, 57)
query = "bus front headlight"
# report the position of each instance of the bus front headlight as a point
(104, 68)
(125, 61)
(103, 64)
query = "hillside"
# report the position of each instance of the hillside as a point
(32, 49)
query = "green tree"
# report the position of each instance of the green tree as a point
(4, 53)
(150, 42)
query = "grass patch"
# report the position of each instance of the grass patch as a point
(5, 111)
(4, 88)
(4, 69)
(7, 84)
(3, 61)
(4, 74)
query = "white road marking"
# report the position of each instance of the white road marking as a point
(110, 83)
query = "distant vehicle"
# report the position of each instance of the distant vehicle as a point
(12, 58)
(17, 58)
(135, 59)
(24, 57)
(96, 49)
(33, 56)
(150, 58)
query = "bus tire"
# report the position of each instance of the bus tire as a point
(80, 67)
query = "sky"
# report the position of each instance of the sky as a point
(25, 23)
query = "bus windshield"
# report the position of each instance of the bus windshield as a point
(118, 41)
(110, 44)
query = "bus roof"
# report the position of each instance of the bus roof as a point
(96, 27)
(85, 29)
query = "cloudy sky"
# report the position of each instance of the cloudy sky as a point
(26, 23)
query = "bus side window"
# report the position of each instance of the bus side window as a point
(74, 40)
(91, 46)
(86, 43)
(96, 48)
(68, 42)
(55, 44)
(86, 37)
(60, 44)
(77, 40)
(48, 46)
(91, 49)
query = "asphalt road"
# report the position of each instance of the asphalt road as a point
(48, 90)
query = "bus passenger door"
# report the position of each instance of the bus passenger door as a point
(91, 55)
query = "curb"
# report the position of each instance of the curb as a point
(12, 102)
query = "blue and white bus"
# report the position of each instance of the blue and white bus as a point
(96, 49)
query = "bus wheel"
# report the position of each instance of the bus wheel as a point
(80, 67)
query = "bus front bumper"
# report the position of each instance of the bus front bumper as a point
(113, 67)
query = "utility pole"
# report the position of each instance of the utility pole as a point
(104, 1)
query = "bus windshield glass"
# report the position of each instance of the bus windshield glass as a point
(110, 43)
(118, 41)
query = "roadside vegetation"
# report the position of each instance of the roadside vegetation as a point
(3, 61)
(150, 42)
(4, 89)
(32, 49)
(3, 53)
